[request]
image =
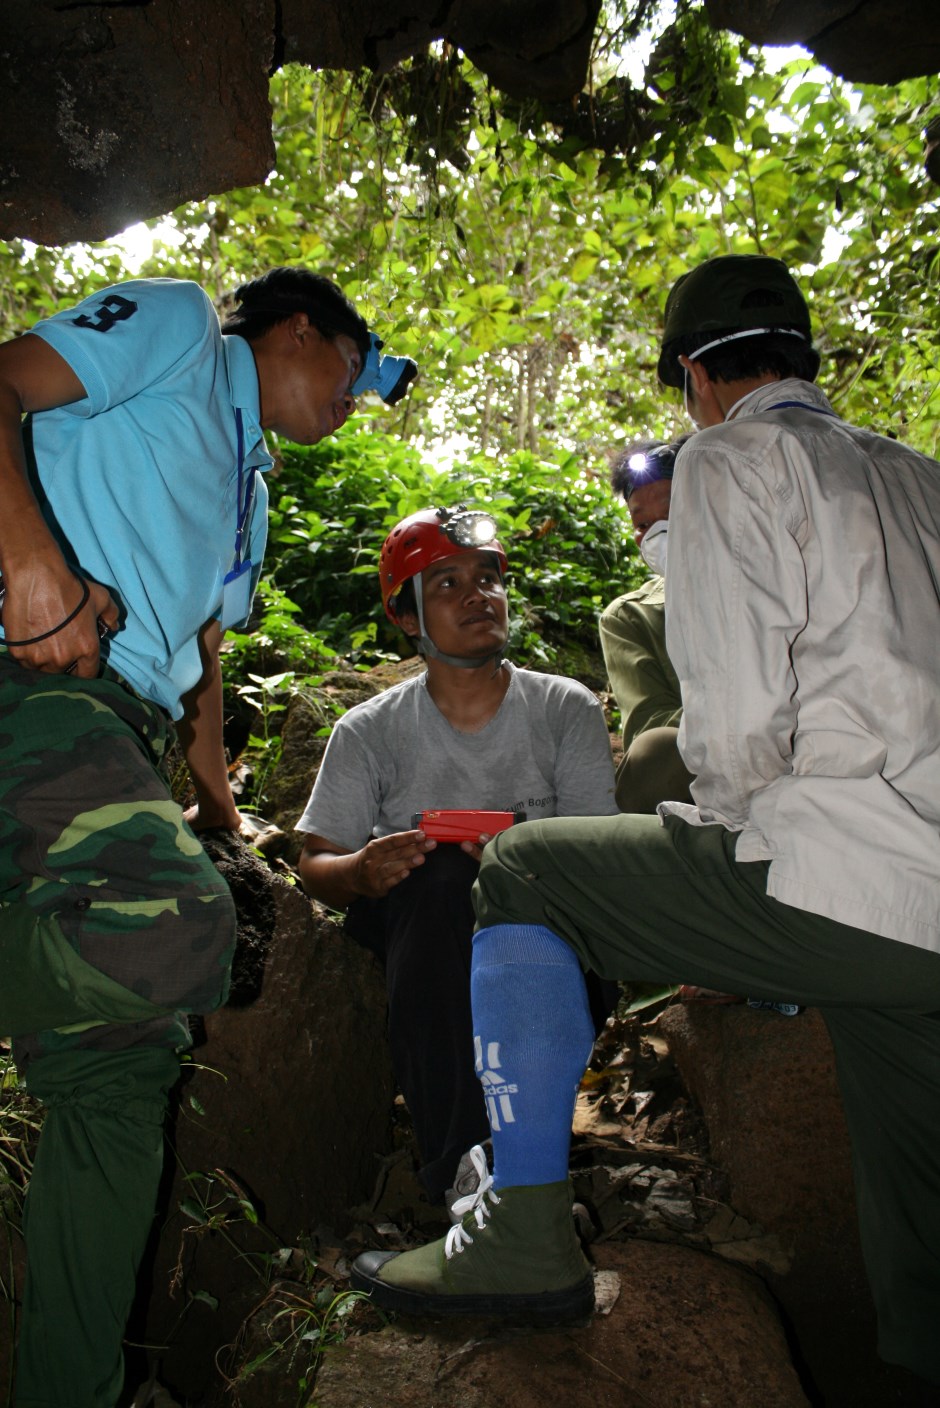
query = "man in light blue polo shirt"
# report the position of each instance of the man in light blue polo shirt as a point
(132, 535)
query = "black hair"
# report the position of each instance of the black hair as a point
(624, 480)
(405, 601)
(288, 289)
(777, 354)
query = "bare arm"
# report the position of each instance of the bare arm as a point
(200, 737)
(337, 877)
(41, 590)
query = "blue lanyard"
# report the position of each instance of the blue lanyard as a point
(243, 508)
(803, 406)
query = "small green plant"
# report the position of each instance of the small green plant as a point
(269, 694)
(291, 1330)
(20, 1122)
(216, 1203)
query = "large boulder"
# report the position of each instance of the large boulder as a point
(113, 113)
(867, 41)
(767, 1088)
(118, 112)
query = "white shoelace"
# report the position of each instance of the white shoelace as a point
(474, 1202)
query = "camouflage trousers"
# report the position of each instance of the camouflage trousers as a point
(113, 925)
(113, 921)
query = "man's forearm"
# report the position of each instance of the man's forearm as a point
(41, 590)
(329, 878)
(200, 736)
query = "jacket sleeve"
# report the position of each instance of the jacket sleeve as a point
(645, 688)
(736, 603)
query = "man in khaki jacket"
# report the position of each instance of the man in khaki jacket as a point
(803, 611)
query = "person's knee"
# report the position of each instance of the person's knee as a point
(446, 871)
(499, 895)
(173, 948)
(136, 1082)
(204, 945)
(430, 921)
(652, 771)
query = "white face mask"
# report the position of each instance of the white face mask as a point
(653, 547)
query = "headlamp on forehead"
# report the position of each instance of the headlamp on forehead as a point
(468, 528)
(389, 376)
(647, 466)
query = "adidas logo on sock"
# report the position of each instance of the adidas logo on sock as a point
(496, 1089)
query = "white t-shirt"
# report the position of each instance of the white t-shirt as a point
(545, 752)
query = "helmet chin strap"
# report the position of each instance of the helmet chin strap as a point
(462, 662)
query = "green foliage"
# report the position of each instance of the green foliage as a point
(332, 506)
(522, 255)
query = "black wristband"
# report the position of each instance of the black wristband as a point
(34, 640)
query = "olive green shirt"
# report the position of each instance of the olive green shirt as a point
(633, 639)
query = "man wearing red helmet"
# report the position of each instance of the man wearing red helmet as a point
(472, 732)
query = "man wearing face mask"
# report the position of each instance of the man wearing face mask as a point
(803, 609)
(633, 639)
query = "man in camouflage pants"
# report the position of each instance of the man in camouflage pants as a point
(114, 923)
(132, 535)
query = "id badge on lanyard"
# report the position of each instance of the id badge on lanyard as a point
(236, 587)
(236, 595)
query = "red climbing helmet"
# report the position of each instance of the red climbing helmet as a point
(426, 537)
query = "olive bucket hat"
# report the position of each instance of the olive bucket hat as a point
(733, 294)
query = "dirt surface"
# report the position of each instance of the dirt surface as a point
(685, 1330)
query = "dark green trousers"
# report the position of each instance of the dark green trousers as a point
(651, 903)
(89, 1211)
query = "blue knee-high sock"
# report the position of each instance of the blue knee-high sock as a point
(532, 1036)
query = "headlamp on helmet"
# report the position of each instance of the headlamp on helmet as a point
(643, 463)
(469, 528)
(389, 376)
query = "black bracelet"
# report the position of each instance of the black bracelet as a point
(34, 640)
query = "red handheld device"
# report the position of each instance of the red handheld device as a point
(463, 825)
